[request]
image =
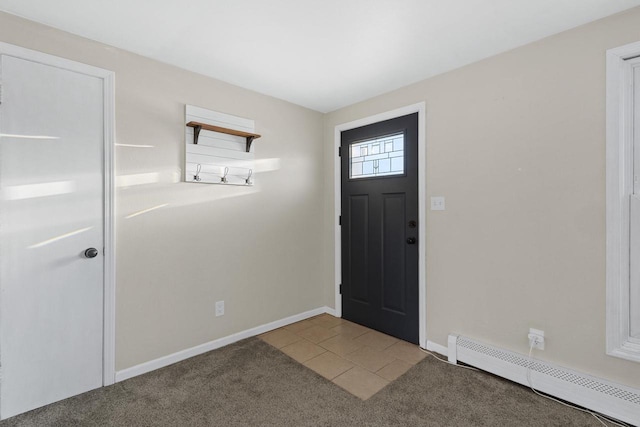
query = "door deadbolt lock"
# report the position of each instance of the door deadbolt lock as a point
(413, 224)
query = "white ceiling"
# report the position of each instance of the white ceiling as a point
(322, 54)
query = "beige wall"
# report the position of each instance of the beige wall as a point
(516, 144)
(256, 248)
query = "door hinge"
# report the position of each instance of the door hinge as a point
(340, 289)
(339, 151)
(339, 219)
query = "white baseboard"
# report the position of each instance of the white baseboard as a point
(170, 359)
(437, 348)
(597, 394)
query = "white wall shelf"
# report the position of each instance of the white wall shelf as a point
(218, 148)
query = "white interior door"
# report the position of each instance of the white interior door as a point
(51, 211)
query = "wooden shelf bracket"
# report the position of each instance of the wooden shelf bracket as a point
(197, 127)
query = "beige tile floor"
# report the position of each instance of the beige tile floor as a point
(358, 359)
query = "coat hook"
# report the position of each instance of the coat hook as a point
(248, 180)
(224, 177)
(196, 177)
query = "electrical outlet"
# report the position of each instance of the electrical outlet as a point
(536, 339)
(219, 308)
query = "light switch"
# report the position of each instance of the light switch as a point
(437, 203)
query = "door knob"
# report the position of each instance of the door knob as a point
(91, 253)
(411, 240)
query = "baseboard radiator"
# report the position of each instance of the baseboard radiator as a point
(596, 394)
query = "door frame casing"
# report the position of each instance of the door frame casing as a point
(109, 276)
(419, 108)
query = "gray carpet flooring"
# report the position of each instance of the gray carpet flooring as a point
(252, 384)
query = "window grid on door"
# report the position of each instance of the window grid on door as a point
(377, 157)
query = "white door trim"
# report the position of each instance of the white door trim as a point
(421, 109)
(619, 185)
(108, 77)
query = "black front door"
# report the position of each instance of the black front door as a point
(379, 226)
